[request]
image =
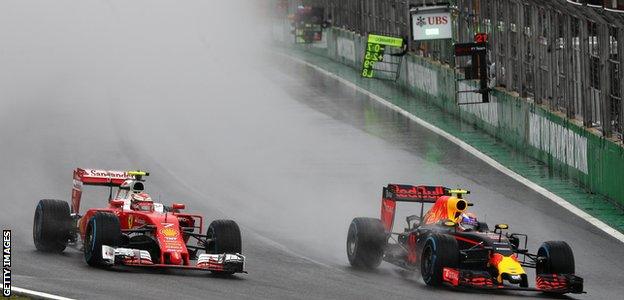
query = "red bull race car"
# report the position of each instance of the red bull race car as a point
(135, 231)
(451, 247)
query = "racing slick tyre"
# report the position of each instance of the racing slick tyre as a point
(51, 226)
(225, 237)
(439, 251)
(557, 258)
(366, 241)
(102, 229)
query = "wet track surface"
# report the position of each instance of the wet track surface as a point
(290, 154)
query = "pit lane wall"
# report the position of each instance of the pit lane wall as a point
(595, 163)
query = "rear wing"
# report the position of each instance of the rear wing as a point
(394, 193)
(109, 178)
(412, 193)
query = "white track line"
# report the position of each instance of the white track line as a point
(36, 295)
(490, 161)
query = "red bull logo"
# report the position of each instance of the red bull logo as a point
(418, 191)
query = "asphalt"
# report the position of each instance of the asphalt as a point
(288, 153)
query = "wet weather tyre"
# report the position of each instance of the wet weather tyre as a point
(556, 258)
(225, 237)
(51, 226)
(366, 240)
(439, 251)
(102, 229)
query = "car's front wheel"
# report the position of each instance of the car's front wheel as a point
(224, 236)
(555, 257)
(103, 229)
(439, 251)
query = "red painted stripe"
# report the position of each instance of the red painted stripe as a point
(466, 240)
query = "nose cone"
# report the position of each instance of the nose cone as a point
(175, 258)
(510, 266)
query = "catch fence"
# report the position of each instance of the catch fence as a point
(563, 54)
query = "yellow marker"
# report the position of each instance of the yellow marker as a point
(138, 173)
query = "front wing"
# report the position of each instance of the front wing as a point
(550, 283)
(230, 263)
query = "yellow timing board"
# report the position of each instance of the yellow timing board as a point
(375, 50)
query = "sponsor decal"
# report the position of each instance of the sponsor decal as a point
(169, 232)
(6, 263)
(420, 22)
(77, 184)
(431, 25)
(432, 20)
(451, 276)
(106, 174)
(167, 225)
(418, 191)
(175, 246)
(135, 221)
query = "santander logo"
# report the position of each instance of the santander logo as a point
(105, 173)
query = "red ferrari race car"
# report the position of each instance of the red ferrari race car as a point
(451, 247)
(133, 230)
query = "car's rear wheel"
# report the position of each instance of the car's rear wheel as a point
(51, 226)
(439, 251)
(366, 240)
(555, 257)
(103, 229)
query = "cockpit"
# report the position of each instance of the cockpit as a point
(132, 192)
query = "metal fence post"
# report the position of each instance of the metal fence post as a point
(584, 76)
(620, 54)
(605, 83)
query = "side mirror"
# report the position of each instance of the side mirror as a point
(498, 228)
(501, 226)
(117, 203)
(178, 206)
(449, 223)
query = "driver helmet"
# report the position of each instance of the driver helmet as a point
(141, 202)
(468, 221)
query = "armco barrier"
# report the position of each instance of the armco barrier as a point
(595, 163)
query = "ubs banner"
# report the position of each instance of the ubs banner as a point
(431, 23)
